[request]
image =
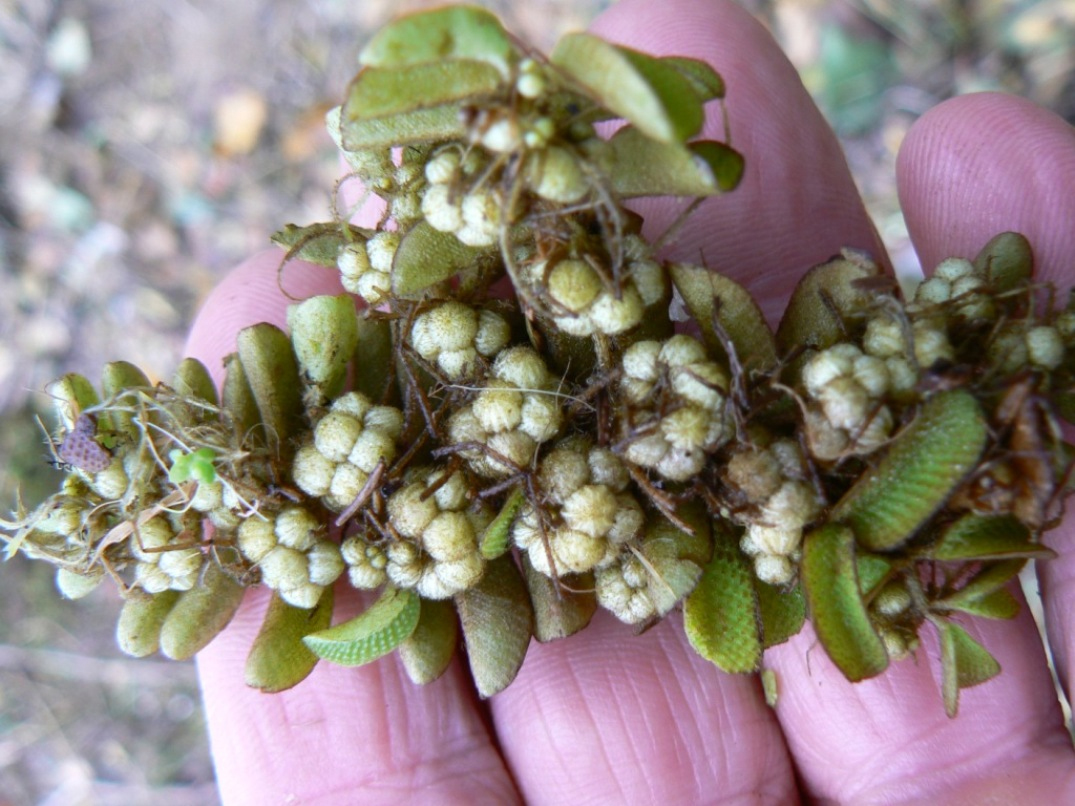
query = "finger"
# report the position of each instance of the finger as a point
(341, 734)
(611, 717)
(970, 168)
(975, 166)
(796, 205)
(865, 741)
(1020, 158)
(887, 740)
(982, 164)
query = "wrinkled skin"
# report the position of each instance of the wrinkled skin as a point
(607, 717)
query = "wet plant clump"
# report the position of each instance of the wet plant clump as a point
(509, 431)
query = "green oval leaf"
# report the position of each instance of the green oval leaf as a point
(653, 96)
(988, 537)
(1063, 401)
(721, 614)
(196, 465)
(1007, 261)
(319, 244)
(430, 648)
(200, 614)
(724, 162)
(454, 32)
(238, 399)
(496, 537)
(373, 358)
(279, 659)
(1000, 604)
(693, 544)
(431, 125)
(497, 623)
(714, 299)
(324, 334)
(559, 611)
(193, 380)
(639, 166)
(991, 578)
(707, 83)
(426, 257)
(370, 635)
(138, 629)
(839, 614)
(783, 612)
(820, 308)
(70, 395)
(386, 93)
(677, 92)
(273, 374)
(571, 357)
(675, 557)
(75, 585)
(920, 469)
(117, 377)
(873, 571)
(964, 663)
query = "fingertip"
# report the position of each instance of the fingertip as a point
(985, 163)
(258, 290)
(888, 738)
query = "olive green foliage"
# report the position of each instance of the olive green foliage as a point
(499, 431)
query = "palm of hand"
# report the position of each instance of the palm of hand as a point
(610, 717)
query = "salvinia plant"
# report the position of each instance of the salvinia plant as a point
(529, 415)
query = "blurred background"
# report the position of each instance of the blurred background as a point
(147, 147)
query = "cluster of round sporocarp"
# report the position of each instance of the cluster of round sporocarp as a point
(499, 465)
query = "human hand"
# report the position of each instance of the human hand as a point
(611, 717)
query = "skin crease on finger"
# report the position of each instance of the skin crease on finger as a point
(638, 719)
(339, 729)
